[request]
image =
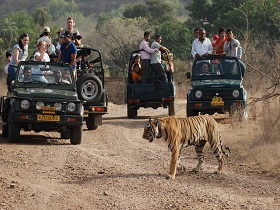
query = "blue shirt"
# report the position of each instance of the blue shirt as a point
(66, 53)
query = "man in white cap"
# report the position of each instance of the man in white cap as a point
(47, 38)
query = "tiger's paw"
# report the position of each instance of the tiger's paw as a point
(168, 176)
(182, 168)
(196, 170)
(217, 172)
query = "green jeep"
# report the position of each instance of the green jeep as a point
(43, 97)
(149, 95)
(216, 86)
(90, 86)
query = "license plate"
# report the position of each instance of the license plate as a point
(48, 108)
(217, 101)
(53, 118)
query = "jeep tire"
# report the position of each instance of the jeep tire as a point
(76, 135)
(90, 124)
(14, 132)
(89, 88)
(131, 112)
(171, 109)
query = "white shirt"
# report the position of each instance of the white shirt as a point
(146, 53)
(156, 57)
(201, 48)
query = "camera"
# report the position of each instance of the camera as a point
(75, 36)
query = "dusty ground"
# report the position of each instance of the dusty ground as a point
(114, 168)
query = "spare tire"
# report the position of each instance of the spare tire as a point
(89, 88)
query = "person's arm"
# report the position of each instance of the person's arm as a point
(148, 49)
(16, 54)
(73, 59)
(193, 52)
(59, 57)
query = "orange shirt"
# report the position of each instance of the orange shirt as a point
(218, 45)
(135, 77)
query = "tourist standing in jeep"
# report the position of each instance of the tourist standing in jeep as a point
(145, 53)
(201, 46)
(74, 33)
(157, 69)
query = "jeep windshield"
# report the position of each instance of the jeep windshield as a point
(215, 67)
(44, 73)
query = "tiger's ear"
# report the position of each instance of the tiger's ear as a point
(150, 120)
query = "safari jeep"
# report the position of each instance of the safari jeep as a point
(149, 95)
(216, 86)
(90, 86)
(43, 97)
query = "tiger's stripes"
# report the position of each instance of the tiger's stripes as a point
(182, 132)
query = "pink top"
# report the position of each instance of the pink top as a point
(146, 53)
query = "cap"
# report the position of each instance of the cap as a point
(66, 34)
(215, 37)
(58, 31)
(47, 29)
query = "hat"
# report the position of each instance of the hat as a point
(44, 39)
(215, 37)
(66, 34)
(58, 31)
(47, 29)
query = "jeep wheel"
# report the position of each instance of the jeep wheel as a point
(131, 112)
(76, 135)
(65, 134)
(89, 88)
(171, 109)
(191, 112)
(14, 132)
(90, 124)
(5, 130)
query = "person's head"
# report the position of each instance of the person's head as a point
(196, 32)
(23, 40)
(47, 31)
(158, 38)
(66, 36)
(136, 68)
(8, 55)
(147, 35)
(70, 23)
(42, 45)
(137, 58)
(229, 33)
(222, 33)
(27, 74)
(205, 68)
(57, 75)
(202, 33)
(58, 31)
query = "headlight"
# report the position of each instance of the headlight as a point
(198, 94)
(235, 93)
(39, 105)
(71, 107)
(24, 104)
(58, 106)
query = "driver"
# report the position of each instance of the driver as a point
(26, 75)
(58, 78)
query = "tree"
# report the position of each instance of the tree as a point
(137, 10)
(9, 31)
(58, 8)
(122, 37)
(41, 15)
(176, 37)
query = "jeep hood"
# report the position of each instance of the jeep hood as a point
(217, 83)
(46, 93)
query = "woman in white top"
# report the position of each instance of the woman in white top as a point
(40, 55)
(19, 53)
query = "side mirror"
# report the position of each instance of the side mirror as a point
(188, 75)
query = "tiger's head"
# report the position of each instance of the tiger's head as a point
(152, 130)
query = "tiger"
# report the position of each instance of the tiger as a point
(183, 132)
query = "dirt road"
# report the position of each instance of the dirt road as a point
(114, 168)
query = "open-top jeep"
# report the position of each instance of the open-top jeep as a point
(90, 86)
(43, 97)
(216, 86)
(149, 95)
